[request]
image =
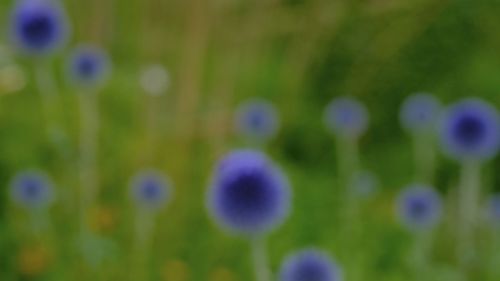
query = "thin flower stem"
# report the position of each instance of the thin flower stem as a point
(469, 192)
(262, 272)
(144, 225)
(349, 166)
(88, 151)
(40, 222)
(152, 127)
(48, 98)
(421, 249)
(425, 157)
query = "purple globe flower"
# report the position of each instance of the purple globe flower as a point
(249, 195)
(32, 189)
(89, 66)
(257, 119)
(310, 265)
(150, 190)
(38, 26)
(419, 207)
(346, 117)
(420, 113)
(470, 129)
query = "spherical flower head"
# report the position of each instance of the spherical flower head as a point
(257, 120)
(470, 130)
(155, 80)
(419, 207)
(420, 113)
(89, 66)
(38, 27)
(346, 117)
(310, 265)
(249, 195)
(32, 190)
(150, 190)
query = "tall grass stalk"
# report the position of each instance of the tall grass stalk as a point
(259, 255)
(143, 231)
(88, 152)
(349, 165)
(425, 157)
(469, 192)
(421, 254)
(48, 97)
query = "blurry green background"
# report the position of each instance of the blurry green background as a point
(299, 54)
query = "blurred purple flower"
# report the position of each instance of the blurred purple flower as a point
(419, 207)
(89, 66)
(346, 117)
(150, 190)
(310, 265)
(471, 130)
(249, 195)
(32, 189)
(420, 113)
(257, 119)
(38, 26)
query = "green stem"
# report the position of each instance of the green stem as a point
(348, 168)
(262, 272)
(48, 98)
(420, 255)
(469, 192)
(144, 225)
(88, 152)
(40, 223)
(425, 157)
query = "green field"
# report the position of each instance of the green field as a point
(297, 54)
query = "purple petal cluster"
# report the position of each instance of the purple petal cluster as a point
(257, 119)
(32, 189)
(150, 190)
(249, 195)
(420, 113)
(310, 265)
(38, 26)
(470, 130)
(89, 66)
(346, 117)
(419, 207)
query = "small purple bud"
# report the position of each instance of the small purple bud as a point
(420, 113)
(346, 117)
(257, 120)
(310, 265)
(32, 190)
(150, 190)
(89, 66)
(419, 207)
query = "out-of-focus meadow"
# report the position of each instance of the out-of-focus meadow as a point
(297, 54)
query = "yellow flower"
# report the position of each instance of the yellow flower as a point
(102, 219)
(34, 260)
